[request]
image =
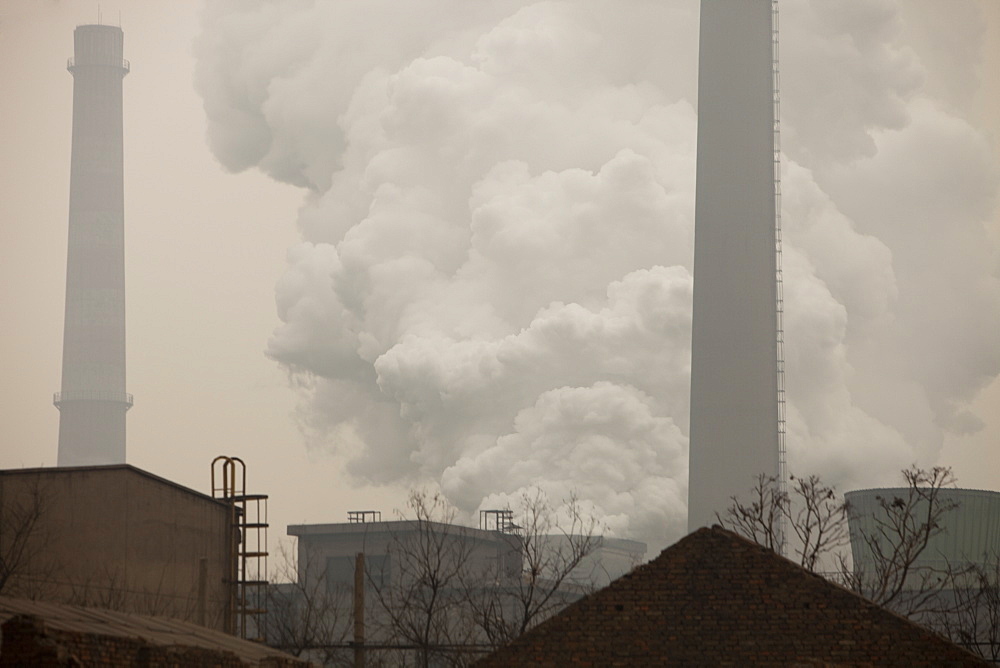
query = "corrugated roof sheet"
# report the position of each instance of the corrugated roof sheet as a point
(160, 631)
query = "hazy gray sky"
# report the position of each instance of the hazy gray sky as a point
(482, 266)
(204, 250)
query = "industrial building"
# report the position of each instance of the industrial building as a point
(121, 538)
(737, 383)
(92, 401)
(374, 574)
(329, 550)
(609, 559)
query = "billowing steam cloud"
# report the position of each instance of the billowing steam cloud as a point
(493, 288)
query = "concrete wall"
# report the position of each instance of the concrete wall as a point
(395, 553)
(485, 551)
(118, 537)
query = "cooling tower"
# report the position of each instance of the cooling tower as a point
(93, 401)
(734, 432)
(970, 532)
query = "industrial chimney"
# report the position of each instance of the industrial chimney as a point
(93, 401)
(737, 400)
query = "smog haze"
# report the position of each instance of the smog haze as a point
(375, 246)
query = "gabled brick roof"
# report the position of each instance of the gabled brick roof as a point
(714, 598)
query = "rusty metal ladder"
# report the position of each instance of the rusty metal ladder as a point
(247, 577)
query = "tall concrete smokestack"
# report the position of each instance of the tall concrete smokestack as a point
(735, 412)
(93, 401)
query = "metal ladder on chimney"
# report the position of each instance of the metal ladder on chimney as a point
(779, 279)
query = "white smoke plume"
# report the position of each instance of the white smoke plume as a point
(493, 287)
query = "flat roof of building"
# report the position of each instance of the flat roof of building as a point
(132, 470)
(348, 528)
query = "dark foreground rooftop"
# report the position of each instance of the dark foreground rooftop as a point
(38, 633)
(714, 598)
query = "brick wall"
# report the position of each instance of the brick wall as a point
(717, 599)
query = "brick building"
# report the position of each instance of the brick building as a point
(715, 598)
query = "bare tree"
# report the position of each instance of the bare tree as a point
(307, 613)
(812, 511)
(891, 573)
(506, 604)
(25, 563)
(420, 600)
(107, 587)
(818, 519)
(760, 518)
(972, 618)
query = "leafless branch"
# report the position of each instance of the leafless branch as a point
(904, 524)
(305, 609)
(818, 518)
(24, 539)
(506, 605)
(422, 598)
(760, 519)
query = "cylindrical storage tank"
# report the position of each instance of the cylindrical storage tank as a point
(970, 533)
